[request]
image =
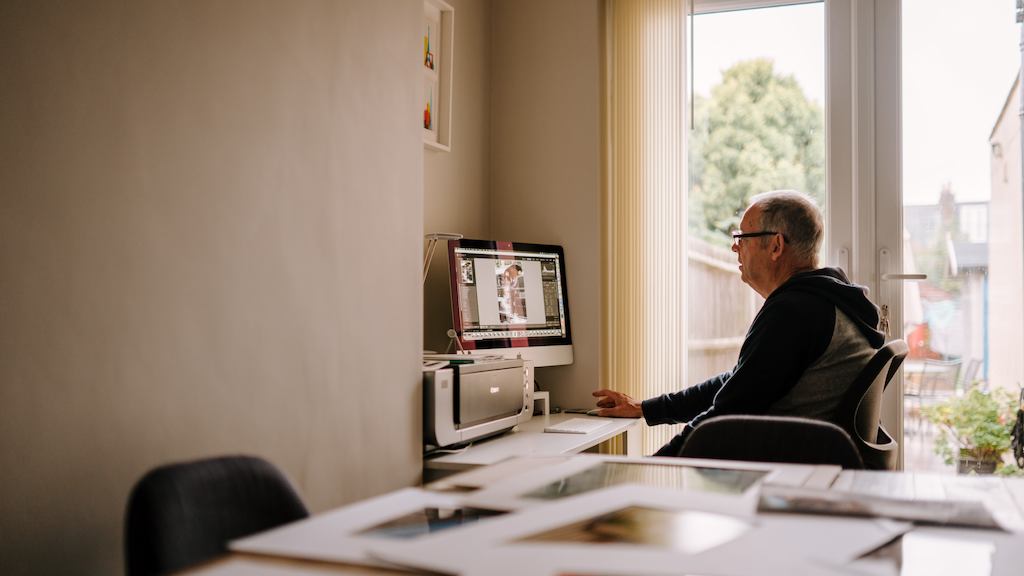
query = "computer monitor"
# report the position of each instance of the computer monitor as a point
(510, 299)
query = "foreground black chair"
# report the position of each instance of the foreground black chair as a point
(182, 514)
(861, 410)
(772, 439)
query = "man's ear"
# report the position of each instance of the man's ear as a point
(777, 247)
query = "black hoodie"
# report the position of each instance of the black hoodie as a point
(790, 332)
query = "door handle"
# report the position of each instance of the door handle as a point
(888, 292)
(904, 276)
(843, 257)
(884, 256)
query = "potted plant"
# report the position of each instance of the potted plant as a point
(975, 429)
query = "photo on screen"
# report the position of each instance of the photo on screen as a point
(468, 275)
(511, 286)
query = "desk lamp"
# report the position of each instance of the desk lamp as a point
(427, 257)
(432, 245)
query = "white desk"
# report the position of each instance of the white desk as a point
(529, 439)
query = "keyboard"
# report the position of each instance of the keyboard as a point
(576, 426)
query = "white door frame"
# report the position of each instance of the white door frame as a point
(864, 161)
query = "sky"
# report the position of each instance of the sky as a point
(960, 58)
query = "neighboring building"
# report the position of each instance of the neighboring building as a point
(923, 222)
(972, 219)
(948, 240)
(1006, 324)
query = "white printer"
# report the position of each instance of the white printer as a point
(464, 402)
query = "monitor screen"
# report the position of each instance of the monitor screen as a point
(510, 299)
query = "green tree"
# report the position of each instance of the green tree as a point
(933, 258)
(757, 132)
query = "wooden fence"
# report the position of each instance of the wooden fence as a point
(720, 308)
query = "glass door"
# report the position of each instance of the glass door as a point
(962, 214)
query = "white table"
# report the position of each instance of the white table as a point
(998, 553)
(529, 439)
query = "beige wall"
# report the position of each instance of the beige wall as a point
(545, 158)
(1006, 321)
(457, 183)
(211, 218)
(525, 158)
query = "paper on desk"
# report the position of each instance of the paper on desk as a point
(610, 532)
(271, 567)
(940, 552)
(536, 568)
(996, 494)
(488, 475)
(584, 472)
(938, 512)
(343, 535)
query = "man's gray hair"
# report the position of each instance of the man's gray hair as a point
(797, 216)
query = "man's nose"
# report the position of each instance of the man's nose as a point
(735, 246)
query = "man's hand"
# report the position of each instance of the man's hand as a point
(616, 404)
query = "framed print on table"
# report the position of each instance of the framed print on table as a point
(437, 57)
(583, 473)
(343, 535)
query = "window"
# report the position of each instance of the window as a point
(758, 103)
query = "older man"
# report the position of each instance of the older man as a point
(813, 335)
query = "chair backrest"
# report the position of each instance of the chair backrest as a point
(969, 374)
(941, 377)
(182, 514)
(860, 412)
(772, 439)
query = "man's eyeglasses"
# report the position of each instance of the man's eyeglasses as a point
(737, 235)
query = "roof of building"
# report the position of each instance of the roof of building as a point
(971, 255)
(1008, 107)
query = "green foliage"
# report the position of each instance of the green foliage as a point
(934, 261)
(757, 132)
(976, 425)
(932, 255)
(1009, 470)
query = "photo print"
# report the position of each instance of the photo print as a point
(686, 531)
(426, 520)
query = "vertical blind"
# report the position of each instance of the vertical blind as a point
(644, 219)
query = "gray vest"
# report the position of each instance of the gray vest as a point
(823, 385)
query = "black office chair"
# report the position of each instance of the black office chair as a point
(772, 439)
(182, 514)
(860, 412)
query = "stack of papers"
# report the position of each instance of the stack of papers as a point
(972, 514)
(591, 514)
(588, 515)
